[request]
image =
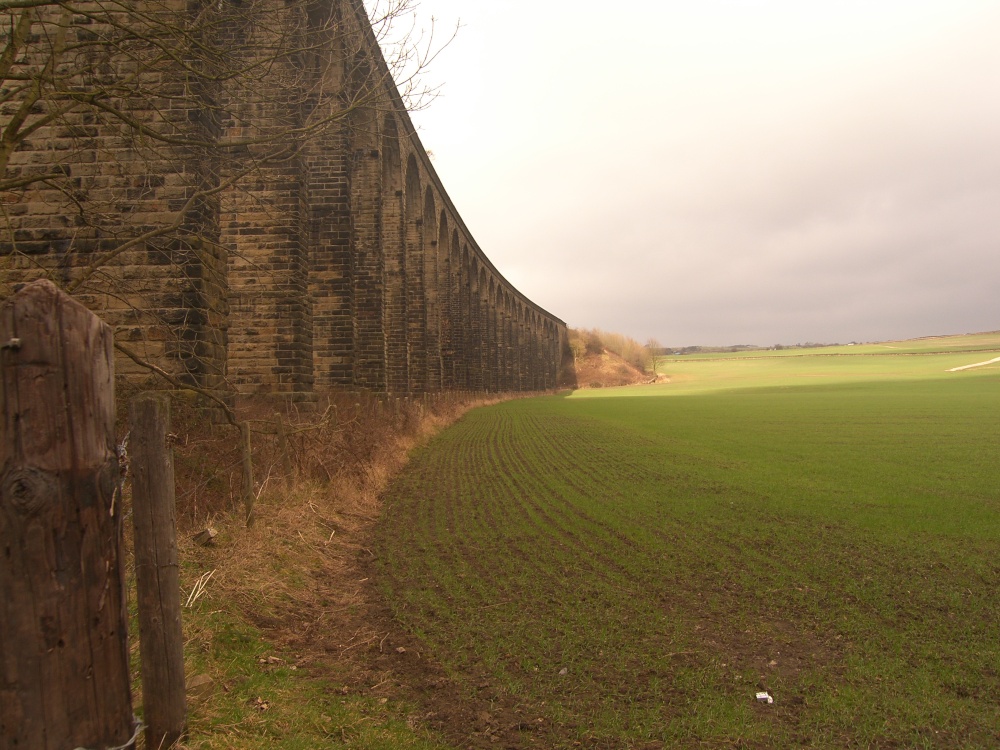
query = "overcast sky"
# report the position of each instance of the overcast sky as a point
(721, 172)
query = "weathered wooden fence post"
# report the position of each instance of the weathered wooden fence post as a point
(282, 435)
(64, 679)
(247, 474)
(161, 640)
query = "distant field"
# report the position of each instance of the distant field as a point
(890, 362)
(927, 345)
(631, 566)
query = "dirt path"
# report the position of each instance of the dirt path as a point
(978, 364)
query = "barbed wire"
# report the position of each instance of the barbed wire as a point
(139, 726)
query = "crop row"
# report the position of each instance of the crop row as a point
(635, 569)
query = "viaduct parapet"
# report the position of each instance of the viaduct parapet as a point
(238, 190)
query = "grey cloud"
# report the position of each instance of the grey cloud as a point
(855, 201)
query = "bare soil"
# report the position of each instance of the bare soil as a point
(608, 370)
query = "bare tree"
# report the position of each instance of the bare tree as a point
(102, 102)
(655, 349)
(127, 127)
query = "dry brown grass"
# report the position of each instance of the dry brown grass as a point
(318, 477)
(297, 573)
(607, 370)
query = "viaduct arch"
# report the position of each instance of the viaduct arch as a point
(341, 265)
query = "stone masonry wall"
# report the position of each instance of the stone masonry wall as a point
(264, 221)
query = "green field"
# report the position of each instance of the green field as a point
(927, 345)
(628, 567)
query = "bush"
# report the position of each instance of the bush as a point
(596, 341)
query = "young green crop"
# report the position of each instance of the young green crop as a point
(633, 566)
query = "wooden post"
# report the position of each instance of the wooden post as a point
(247, 480)
(161, 641)
(64, 679)
(282, 433)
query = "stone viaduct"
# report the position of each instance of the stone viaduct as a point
(283, 232)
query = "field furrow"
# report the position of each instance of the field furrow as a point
(634, 569)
